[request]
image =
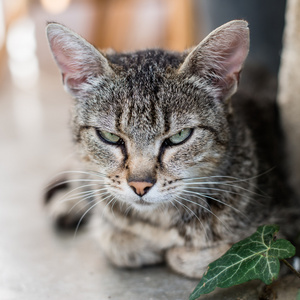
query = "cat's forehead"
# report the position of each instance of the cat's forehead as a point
(152, 111)
(147, 98)
(152, 60)
(139, 88)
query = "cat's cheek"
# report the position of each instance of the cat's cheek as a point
(102, 160)
(192, 162)
(109, 158)
(176, 162)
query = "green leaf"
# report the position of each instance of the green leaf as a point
(298, 295)
(256, 257)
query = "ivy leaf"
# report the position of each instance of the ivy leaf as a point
(298, 295)
(256, 257)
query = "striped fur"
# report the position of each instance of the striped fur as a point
(205, 193)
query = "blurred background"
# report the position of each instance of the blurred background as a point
(34, 110)
(126, 25)
(28, 75)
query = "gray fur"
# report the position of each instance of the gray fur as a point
(147, 96)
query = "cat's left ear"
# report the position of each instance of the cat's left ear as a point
(79, 62)
(215, 64)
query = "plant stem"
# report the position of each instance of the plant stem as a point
(291, 267)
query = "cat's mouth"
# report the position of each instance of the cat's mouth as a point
(141, 201)
(142, 204)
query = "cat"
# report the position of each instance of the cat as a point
(174, 160)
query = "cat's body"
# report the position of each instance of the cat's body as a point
(179, 169)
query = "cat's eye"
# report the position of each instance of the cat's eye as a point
(109, 137)
(179, 137)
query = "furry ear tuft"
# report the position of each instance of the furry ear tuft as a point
(78, 61)
(219, 58)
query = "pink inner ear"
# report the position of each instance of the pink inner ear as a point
(233, 63)
(227, 61)
(72, 75)
(218, 59)
(71, 54)
(77, 59)
(73, 83)
(67, 62)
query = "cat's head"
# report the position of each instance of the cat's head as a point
(149, 119)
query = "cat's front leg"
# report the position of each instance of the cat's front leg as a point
(193, 262)
(128, 250)
(68, 201)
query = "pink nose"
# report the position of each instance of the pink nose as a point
(140, 187)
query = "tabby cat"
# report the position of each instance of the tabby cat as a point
(174, 162)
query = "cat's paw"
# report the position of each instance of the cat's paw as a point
(193, 262)
(126, 250)
(66, 211)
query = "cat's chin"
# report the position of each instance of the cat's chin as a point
(142, 205)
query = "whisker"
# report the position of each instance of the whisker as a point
(90, 173)
(86, 212)
(208, 189)
(80, 201)
(92, 195)
(186, 207)
(127, 210)
(62, 199)
(112, 207)
(76, 196)
(193, 213)
(234, 179)
(217, 200)
(107, 205)
(205, 208)
(79, 195)
(49, 187)
(224, 183)
(214, 176)
(171, 201)
(84, 186)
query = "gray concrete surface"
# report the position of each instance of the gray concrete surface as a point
(35, 261)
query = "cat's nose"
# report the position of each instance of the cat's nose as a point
(140, 187)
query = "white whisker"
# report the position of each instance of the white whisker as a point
(76, 195)
(50, 187)
(93, 195)
(224, 183)
(217, 200)
(79, 195)
(209, 210)
(62, 199)
(233, 179)
(209, 189)
(112, 207)
(193, 213)
(171, 201)
(86, 212)
(90, 173)
(129, 207)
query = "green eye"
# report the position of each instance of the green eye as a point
(109, 137)
(180, 137)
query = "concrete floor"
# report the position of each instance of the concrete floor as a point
(36, 262)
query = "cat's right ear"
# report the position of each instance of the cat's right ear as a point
(79, 62)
